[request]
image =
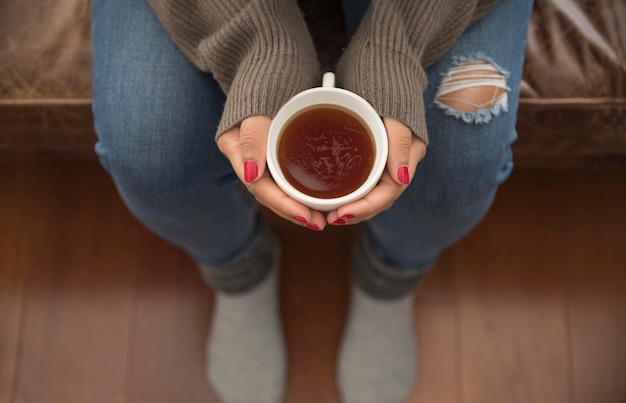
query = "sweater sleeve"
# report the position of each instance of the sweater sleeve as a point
(259, 51)
(397, 39)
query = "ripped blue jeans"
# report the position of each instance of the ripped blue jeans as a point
(155, 116)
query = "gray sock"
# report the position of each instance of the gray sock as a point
(246, 349)
(377, 362)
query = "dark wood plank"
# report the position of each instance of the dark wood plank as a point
(528, 308)
(441, 281)
(515, 341)
(438, 341)
(596, 288)
(438, 338)
(314, 298)
(80, 291)
(174, 308)
(17, 184)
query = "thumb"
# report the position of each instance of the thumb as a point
(253, 142)
(400, 141)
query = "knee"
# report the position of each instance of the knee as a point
(471, 152)
(474, 91)
(146, 179)
(153, 165)
(458, 182)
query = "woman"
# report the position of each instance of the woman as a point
(184, 92)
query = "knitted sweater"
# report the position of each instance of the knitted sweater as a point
(261, 53)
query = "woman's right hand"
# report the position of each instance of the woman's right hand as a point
(245, 147)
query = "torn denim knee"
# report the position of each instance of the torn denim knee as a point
(473, 90)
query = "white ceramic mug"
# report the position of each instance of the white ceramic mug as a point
(328, 95)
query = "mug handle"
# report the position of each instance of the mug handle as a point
(328, 80)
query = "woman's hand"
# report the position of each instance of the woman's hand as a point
(245, 147)
(405, 152)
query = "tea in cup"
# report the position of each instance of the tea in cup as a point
(327, 147)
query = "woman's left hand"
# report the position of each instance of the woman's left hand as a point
(405, 152)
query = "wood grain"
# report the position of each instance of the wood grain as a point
(172, 321)
(595, 281)
(80, 305)
(438, 340)
(314, 300)
(530, 307)
(17, 184)
(514, 331)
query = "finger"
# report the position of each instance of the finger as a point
(398, 159)
(228, 143)
(382, 197)
(318, 221)
(270, 195)
(253, 143)
(265, 189)
(334, 218)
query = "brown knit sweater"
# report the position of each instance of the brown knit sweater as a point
(261, 53)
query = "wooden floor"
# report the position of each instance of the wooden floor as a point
(530, 308)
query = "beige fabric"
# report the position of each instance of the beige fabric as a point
(45, 49)
(576, 50)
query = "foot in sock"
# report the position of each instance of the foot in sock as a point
(377, 362)
(246, 351)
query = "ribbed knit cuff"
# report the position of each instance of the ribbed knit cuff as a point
(263, 86)
(383, 60)
(278, 61)
(392, 82)
(378, 279)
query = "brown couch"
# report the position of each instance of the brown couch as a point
(572, 112)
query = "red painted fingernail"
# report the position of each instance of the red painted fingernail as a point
(347, 216)
(339, 221)
(300, 218)
(314, 227)
(403, 174)
(250, 171)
